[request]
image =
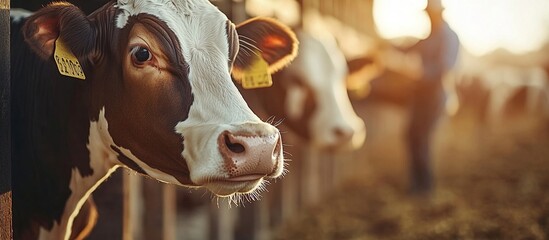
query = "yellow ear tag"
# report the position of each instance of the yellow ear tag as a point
(258, 75)
(67, 63)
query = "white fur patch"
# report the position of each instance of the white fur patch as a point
(163, 9)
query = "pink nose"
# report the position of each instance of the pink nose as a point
(248, 157)
(342, 134)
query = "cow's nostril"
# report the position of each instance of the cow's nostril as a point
(339, 133)
(342, 133)
(234, 147)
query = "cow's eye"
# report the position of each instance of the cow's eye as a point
(140, 55)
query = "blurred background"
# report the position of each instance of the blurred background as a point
(455, 98)
(489, 147)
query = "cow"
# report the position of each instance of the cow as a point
(142, 84)
(315, 105)
(499, 94)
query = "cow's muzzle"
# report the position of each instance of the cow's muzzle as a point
(249, 157)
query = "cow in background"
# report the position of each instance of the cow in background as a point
(154, 94)
(506, 101)
(310, 95)
(311, 98)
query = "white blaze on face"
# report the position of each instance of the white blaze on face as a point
(324, 69)
(217, 105)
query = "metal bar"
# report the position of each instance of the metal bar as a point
(6, 231)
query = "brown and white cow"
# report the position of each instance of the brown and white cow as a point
(312, 89)
(310, 96)
(157, 98)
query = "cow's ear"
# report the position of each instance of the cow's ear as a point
(276, 43)
(59, 20)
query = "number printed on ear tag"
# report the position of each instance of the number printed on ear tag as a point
(258, 75)
(67, 63)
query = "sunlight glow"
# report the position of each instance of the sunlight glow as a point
(518, 26)
(401, 18)
(286, 11)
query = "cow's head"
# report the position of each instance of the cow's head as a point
(310, 96)
(161, 97)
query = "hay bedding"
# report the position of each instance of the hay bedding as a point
(501, 192)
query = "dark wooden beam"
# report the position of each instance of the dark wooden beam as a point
(6, 231)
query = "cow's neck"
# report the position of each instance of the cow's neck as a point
(92, 161)
(53, 170)
(99, 157)
(81, 187)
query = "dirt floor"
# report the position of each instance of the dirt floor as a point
(492, 182)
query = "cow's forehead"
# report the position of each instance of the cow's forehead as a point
(173, 12)
(200, 27)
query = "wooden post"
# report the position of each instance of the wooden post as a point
(326, 172)
(238, 11)
(158, 210)
(222, 221)
(301, 11)
(169, 210)
(253, 220)
(6, 231)
(310, 188)
(290, 191)
(133, 205)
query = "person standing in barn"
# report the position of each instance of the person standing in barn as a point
(438, 54)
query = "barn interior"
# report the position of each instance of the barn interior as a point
(487, 144)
